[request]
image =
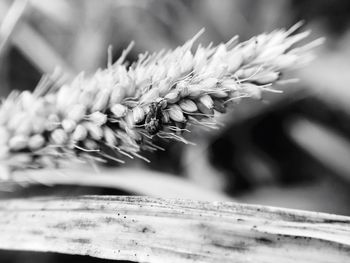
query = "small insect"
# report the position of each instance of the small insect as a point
(153, 121)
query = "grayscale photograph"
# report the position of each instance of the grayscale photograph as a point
(175, 131)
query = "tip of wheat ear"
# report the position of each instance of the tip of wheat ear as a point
(158, 95)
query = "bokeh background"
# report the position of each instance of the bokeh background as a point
(290, 150)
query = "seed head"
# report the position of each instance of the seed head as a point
(4, 136)
(94, 130)
(39, 125)
(188, 105)
(176, 114)
(204, 109)
(80, 133)
(266, 77)
(252, 90)
(187, 62)
(16, 121)
(150, 96)
(194, 91)
(59, 137)
(53, 121)
(219, 94)
(4, 152)
(207, 101)
(25, 127)
(119, 110)
(174, 71)
(36, 142)
(77, 112)
(68, 125)
(172, 97)
(98, 118)
(138, 114)
(209, 83)
(109, 136)
(124, 106)
(117, 95)
(27, 100)
(18, 142)
(229, 85)
(164, 87)
(87, 97)
(102, 100)
(234, 61)
(90, 145)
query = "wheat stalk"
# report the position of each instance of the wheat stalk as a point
(123, 107)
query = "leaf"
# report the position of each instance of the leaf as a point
(147, 229)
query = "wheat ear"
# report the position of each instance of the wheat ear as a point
(123, 107)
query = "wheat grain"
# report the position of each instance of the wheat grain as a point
(158, 95)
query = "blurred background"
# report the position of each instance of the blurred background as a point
(290, 150)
